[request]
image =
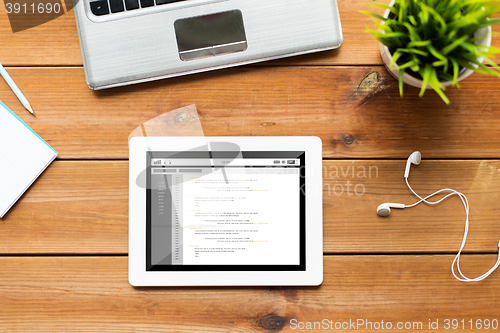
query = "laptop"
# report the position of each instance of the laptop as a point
(132, 41)
(225, 211)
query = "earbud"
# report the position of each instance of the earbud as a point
(414, 158)
(385, 208)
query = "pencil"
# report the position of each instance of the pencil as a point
(16, 90)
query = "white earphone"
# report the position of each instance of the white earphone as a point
(385, 209)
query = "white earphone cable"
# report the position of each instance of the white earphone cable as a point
(456, 260)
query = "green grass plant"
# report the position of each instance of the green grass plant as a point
(433, 40)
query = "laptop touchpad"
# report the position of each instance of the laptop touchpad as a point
(210, 35)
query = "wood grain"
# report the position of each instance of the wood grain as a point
(81, 207)
(78, 210)
(56, 42)
(68, 294)
(356, 111)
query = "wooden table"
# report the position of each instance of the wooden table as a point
(63, 247)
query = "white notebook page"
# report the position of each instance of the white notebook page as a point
(23, 157)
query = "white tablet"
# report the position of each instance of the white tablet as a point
(225, 211)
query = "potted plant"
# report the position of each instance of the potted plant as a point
(432, 44)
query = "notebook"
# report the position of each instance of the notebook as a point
(23, 157)
(133, 41)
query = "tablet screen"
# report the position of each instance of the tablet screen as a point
(225, 211)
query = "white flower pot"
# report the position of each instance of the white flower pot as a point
(412, 81)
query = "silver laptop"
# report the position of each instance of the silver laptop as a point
(132, 41)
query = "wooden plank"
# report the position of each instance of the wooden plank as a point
(356, 111)
(75, 294)
(354, 189)
(74, 207)
(56, 42)
(82, 207)
(51, 44)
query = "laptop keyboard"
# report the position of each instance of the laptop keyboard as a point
(105, 7)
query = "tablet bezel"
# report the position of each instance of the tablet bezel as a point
(313, 274)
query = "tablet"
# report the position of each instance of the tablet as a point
(225, 211)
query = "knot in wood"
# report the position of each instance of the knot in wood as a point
(272, 322)
(348, 139)
(370, 84)
(181, 117)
